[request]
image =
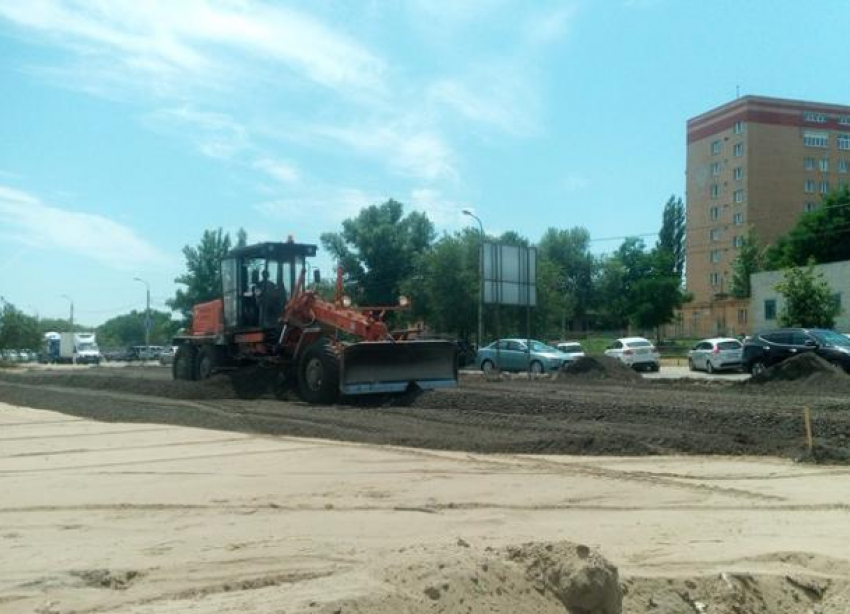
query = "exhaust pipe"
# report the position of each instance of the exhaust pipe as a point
(373, 367)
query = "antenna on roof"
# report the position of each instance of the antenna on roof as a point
(737, 91)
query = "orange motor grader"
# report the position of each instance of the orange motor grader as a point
(267, 317)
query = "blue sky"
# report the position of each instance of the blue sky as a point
(129, 127)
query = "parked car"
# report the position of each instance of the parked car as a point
(716, 354)
(573, 348)
(513, 355)
(166, 356)
(771, 347)
(636, 352)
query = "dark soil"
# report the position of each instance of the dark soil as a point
(593, 417)
(599, 368)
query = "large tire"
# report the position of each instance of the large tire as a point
(709, 367)
(209, 359)
(537, 367)
(183, 367)
(691, 365)
(488, 366)
(757, 368)
(318, 373)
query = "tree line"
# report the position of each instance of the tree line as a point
(386, 253)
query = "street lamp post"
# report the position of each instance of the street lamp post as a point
(70, 300)
(480, 278)
(147, 315)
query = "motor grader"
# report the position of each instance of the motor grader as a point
(268, 322)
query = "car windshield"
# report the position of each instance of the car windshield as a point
(536, 346)
(729, 345)
(829, 337)
(638, 344)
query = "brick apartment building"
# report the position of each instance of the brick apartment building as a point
(755, 163)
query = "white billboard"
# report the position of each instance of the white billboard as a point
(510, 275)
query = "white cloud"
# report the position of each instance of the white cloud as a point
(415, 152)
(445, 213)
(574, 182)
(549, 26)
(190, 43)
(280, 171)
(333, 204)
(40, 226)
(495, 96)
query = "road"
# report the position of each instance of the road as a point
(682, 372)
(148, 518)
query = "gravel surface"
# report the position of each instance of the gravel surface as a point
(565, 416)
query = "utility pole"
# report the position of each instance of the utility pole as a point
(480, 339)
(147, 315)
(70, 300)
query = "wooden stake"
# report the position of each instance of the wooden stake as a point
(807, 421)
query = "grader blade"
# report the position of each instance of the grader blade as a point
(394, 366)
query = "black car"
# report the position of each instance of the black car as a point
(770, 347)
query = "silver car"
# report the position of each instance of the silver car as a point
(716, 354)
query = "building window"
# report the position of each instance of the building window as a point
(770, 309)
(715, 148)
(809, 186)
(738, 218)
(824, 187)
(714, 213)
(742, 316)
(836, 300)
(816, 139)
(844, 120)
(738, 241)
(715, 190)
(842, 165)
(809, 163)
(715, 256)
(739, 196)
(739, 150)
(844, 141)
(842, 183)
(714, 234)
(811, 116)
(739, 127)
(714, 279)
(715, 169)
(809, 206)
(824, 165)
(739, 173)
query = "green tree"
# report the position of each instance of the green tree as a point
(203, 271)
(671, 238)
(748, 261)
(809, 301)
(379, 249)
(822, 235)
(657, 293)
(17, 329)
(568, 252)
(444, 290)
(129, 329)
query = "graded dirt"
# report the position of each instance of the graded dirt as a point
(514, 416)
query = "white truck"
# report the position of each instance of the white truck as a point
(79, 348)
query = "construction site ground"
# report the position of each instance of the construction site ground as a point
(123, 491)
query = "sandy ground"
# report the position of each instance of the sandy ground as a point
(112, 517)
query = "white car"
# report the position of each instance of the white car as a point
(716, 354)
(573, 348)
(636, 352)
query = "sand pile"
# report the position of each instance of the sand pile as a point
(540, 578)
(599, 368)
